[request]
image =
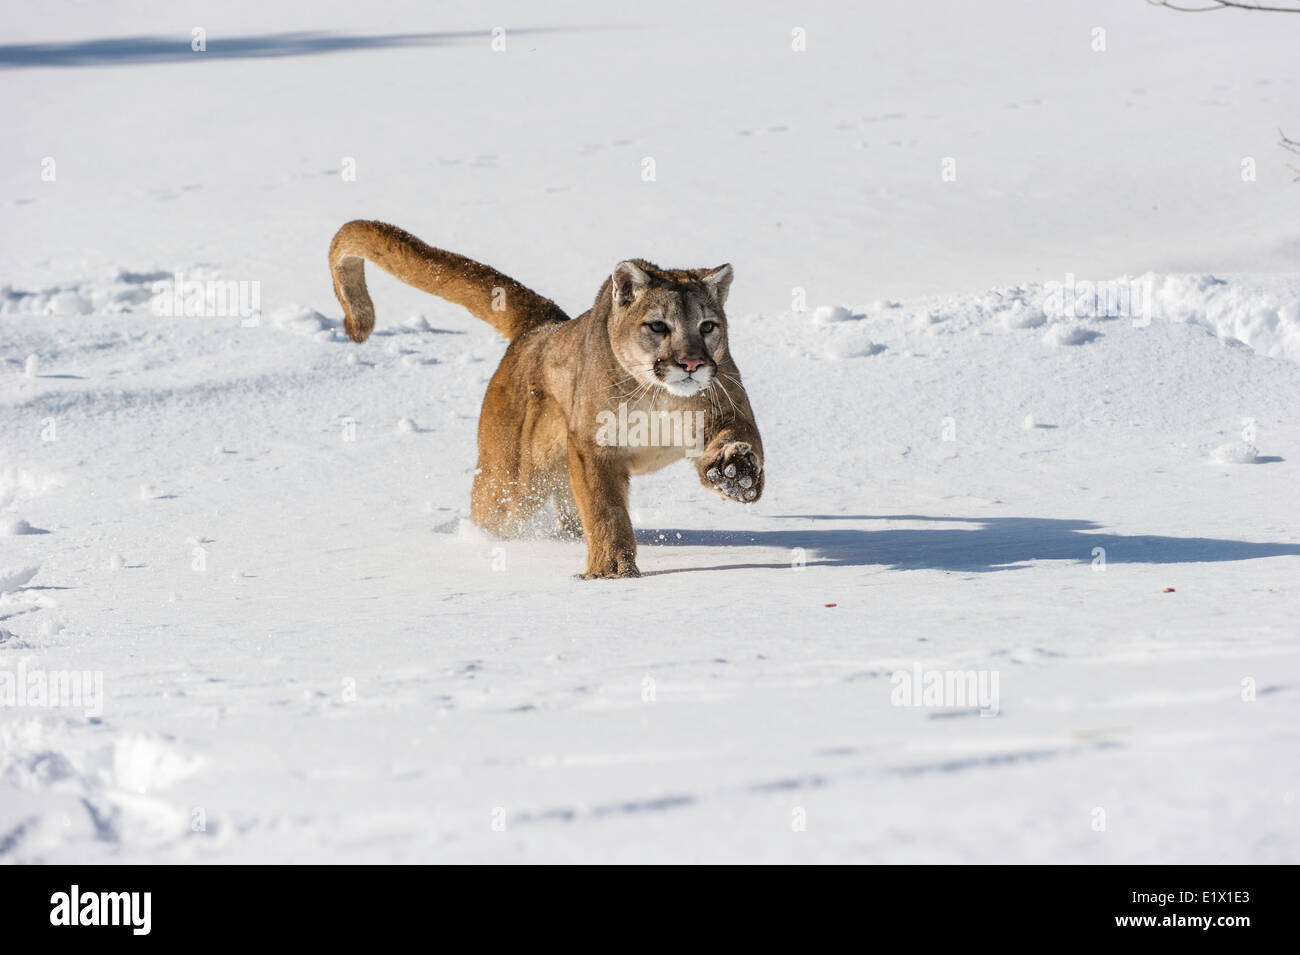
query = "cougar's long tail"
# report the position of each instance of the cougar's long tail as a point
(499, 300)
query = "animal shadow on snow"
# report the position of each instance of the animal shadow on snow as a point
(114, 51)
(994, 543)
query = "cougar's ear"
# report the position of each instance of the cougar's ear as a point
(718, 282)
(629, 281)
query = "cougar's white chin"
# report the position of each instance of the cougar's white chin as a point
(685, 387)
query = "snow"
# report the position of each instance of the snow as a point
(1235, 452)
(831, 314)
(1264, 314)
(11, 526)
(257, 534)
(13, 578)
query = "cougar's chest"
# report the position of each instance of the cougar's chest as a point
(647, 460)
(649, 435)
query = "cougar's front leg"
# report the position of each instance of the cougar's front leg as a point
(600, 484)
(732, 463)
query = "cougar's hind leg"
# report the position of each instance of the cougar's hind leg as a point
(568, 523)
(504, 500)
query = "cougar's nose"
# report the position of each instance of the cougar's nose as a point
(690, 364)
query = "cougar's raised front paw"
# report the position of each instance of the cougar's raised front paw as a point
(735, 473)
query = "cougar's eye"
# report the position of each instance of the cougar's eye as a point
(659, 328)
(706, 328)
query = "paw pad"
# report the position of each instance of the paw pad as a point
(736, 474)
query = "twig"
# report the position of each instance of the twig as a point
(1224, 5)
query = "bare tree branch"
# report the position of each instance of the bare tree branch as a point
(1290, 145)
(1225, 5)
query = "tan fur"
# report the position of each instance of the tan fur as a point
(538, 430)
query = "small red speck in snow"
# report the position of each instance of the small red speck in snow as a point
(1167, 590)
(830, 605)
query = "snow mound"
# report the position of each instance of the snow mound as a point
(301, 320)
(54, 300)
(842, 348)
(1023, 315)
(71, 790)
(1070, 335)
(143, 764)
(15, 578)
(1260, 311)
(832, 315)
(13, 526)
(1235, 452)
(121, 291)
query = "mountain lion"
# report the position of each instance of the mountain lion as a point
(652, 348)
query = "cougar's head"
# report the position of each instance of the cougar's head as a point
(667, 326)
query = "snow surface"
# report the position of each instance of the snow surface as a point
(256, 532)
